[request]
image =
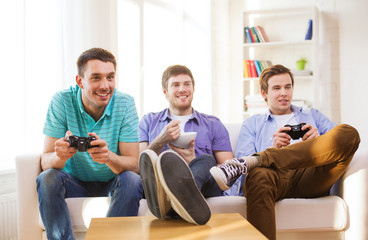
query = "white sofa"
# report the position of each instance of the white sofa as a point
(320, 218)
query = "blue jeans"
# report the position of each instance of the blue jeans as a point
(54, 185)
(200, 167)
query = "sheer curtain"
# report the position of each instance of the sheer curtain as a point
(154, 34)
(30, 67)
(41, 40)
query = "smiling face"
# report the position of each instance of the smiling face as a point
(98, 85)
(279, 94)
(179, 93)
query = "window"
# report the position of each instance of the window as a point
(153, 35)
(45, 38)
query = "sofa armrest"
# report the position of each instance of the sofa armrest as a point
(28, 167)
(355, 193)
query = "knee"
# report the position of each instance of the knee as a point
(353, 133)
(205, 160)
(130, 179)
(350, 134)
(50, 181)
(260, 181)
(49, 178)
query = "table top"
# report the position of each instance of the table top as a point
(220, 226)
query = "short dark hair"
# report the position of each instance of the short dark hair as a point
(173, 71)
(273, 71)
(91, 54)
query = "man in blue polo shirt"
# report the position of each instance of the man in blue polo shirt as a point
(178, 178)
(93, 108)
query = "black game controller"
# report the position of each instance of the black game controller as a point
(296, 131)
(81, 143)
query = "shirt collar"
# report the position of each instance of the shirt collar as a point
(294, 109)
(166, 116)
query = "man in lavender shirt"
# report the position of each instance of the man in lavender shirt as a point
(176, 180)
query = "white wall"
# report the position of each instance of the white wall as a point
(353, 16)
(354, 98)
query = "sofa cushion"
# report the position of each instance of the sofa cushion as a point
(312, 214)
(328, 213)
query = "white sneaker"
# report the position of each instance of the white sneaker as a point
(157, 200)
(227, 173)
(177, 180)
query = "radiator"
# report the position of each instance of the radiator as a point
(8, 217)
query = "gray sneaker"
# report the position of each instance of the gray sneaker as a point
(178, 182)
(157, 200)
(226, 174)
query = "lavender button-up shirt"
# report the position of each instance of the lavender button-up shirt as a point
(211, 133)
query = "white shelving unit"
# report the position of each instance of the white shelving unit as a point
(286, 29)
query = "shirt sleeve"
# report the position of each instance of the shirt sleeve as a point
(245, 145)
(143, 129)
(324, 124)
(55, 125)
(221, 141)
(129, 127)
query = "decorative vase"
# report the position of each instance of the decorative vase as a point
(300, 64)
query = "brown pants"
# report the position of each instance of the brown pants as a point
(306, 169)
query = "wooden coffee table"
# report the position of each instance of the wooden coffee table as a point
(220, 226)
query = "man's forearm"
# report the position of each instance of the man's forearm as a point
(51, 160)
(119, 164)
(157, 145)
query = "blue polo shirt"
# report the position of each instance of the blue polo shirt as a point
(211, 133)
(119, 123)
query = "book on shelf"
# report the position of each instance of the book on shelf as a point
(254, 68)
(249, 69)
(251, 35)
(258, 68)
(255, 104)
(267, 63)
(263, 34)
(309, 33)
(247, 35)
(255, 34)
(246, 74)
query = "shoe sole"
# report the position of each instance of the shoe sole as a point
(220, 178)
(178, 183)
(156, 198)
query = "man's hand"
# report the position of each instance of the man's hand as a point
(187, 153)
(170, 133)
(312, 132)
(62, 148)
(100, 153)
(280, 138)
